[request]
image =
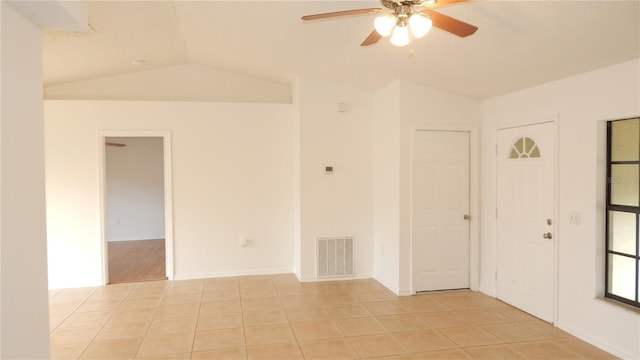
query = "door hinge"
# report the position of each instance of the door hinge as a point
(496, 275)
(496, 213)
(496, 150)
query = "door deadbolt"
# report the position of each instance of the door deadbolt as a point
(466, 217)
(547, 235)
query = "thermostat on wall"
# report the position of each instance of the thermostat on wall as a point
(342, 107)
(328, 169)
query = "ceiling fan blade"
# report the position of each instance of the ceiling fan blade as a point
(440, 3)
(373, 38)
(450, 24)
(341, 13)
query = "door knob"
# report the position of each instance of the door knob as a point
(466, 217)
(547, 235)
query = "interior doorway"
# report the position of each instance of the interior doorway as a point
(136, 229)
(441, 203)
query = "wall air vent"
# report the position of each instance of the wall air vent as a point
(334, 257)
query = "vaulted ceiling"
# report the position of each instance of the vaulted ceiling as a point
(519, 43)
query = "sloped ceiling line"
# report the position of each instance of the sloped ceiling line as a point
(519, 44)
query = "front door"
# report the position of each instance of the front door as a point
(526, 218)
(440, 250)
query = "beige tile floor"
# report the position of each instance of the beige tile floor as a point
(276, 317)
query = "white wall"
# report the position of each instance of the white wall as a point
(581, 103)
(232, 179)
(386, 180)
(24, 311)
(340, 204)
(401, 108)
(186, 82)
(134, 189)
(297, 211)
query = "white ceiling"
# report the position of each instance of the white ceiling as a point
(519, 43)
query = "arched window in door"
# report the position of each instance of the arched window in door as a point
(524, 148)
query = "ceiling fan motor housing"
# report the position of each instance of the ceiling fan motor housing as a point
(392, 4)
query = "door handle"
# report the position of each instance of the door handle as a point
(466, 217)
(547, 235)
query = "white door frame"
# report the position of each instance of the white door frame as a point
(168, 198)
(556, 183)
(474, 201)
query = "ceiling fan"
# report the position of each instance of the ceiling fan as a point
(404, 18)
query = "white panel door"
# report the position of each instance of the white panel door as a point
(526, 217)
(440, 234)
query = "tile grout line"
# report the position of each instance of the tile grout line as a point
(195, 331)
(103, 325)
(152, 318)
(65, 319)
(72, 311)
(244, 328)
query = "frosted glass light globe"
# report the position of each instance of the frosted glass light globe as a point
(400, 36)
(384, 24)
(420, 25)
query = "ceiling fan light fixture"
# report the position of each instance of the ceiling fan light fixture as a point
(384, 24)
(420, 25)
(404, 20)
(400, 36)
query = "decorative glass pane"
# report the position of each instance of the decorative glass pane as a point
(535, 153)
(622, 280)
(624, 185)
(528, 145)
(519, 145)
(622, 232)
(524, 148)
(625, 140)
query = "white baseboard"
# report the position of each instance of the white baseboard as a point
(194, 276)
(595, 342)
(60, 285)
(314, 279)
(386, 286)
(138, 238)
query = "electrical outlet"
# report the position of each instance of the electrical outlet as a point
(575, 218)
